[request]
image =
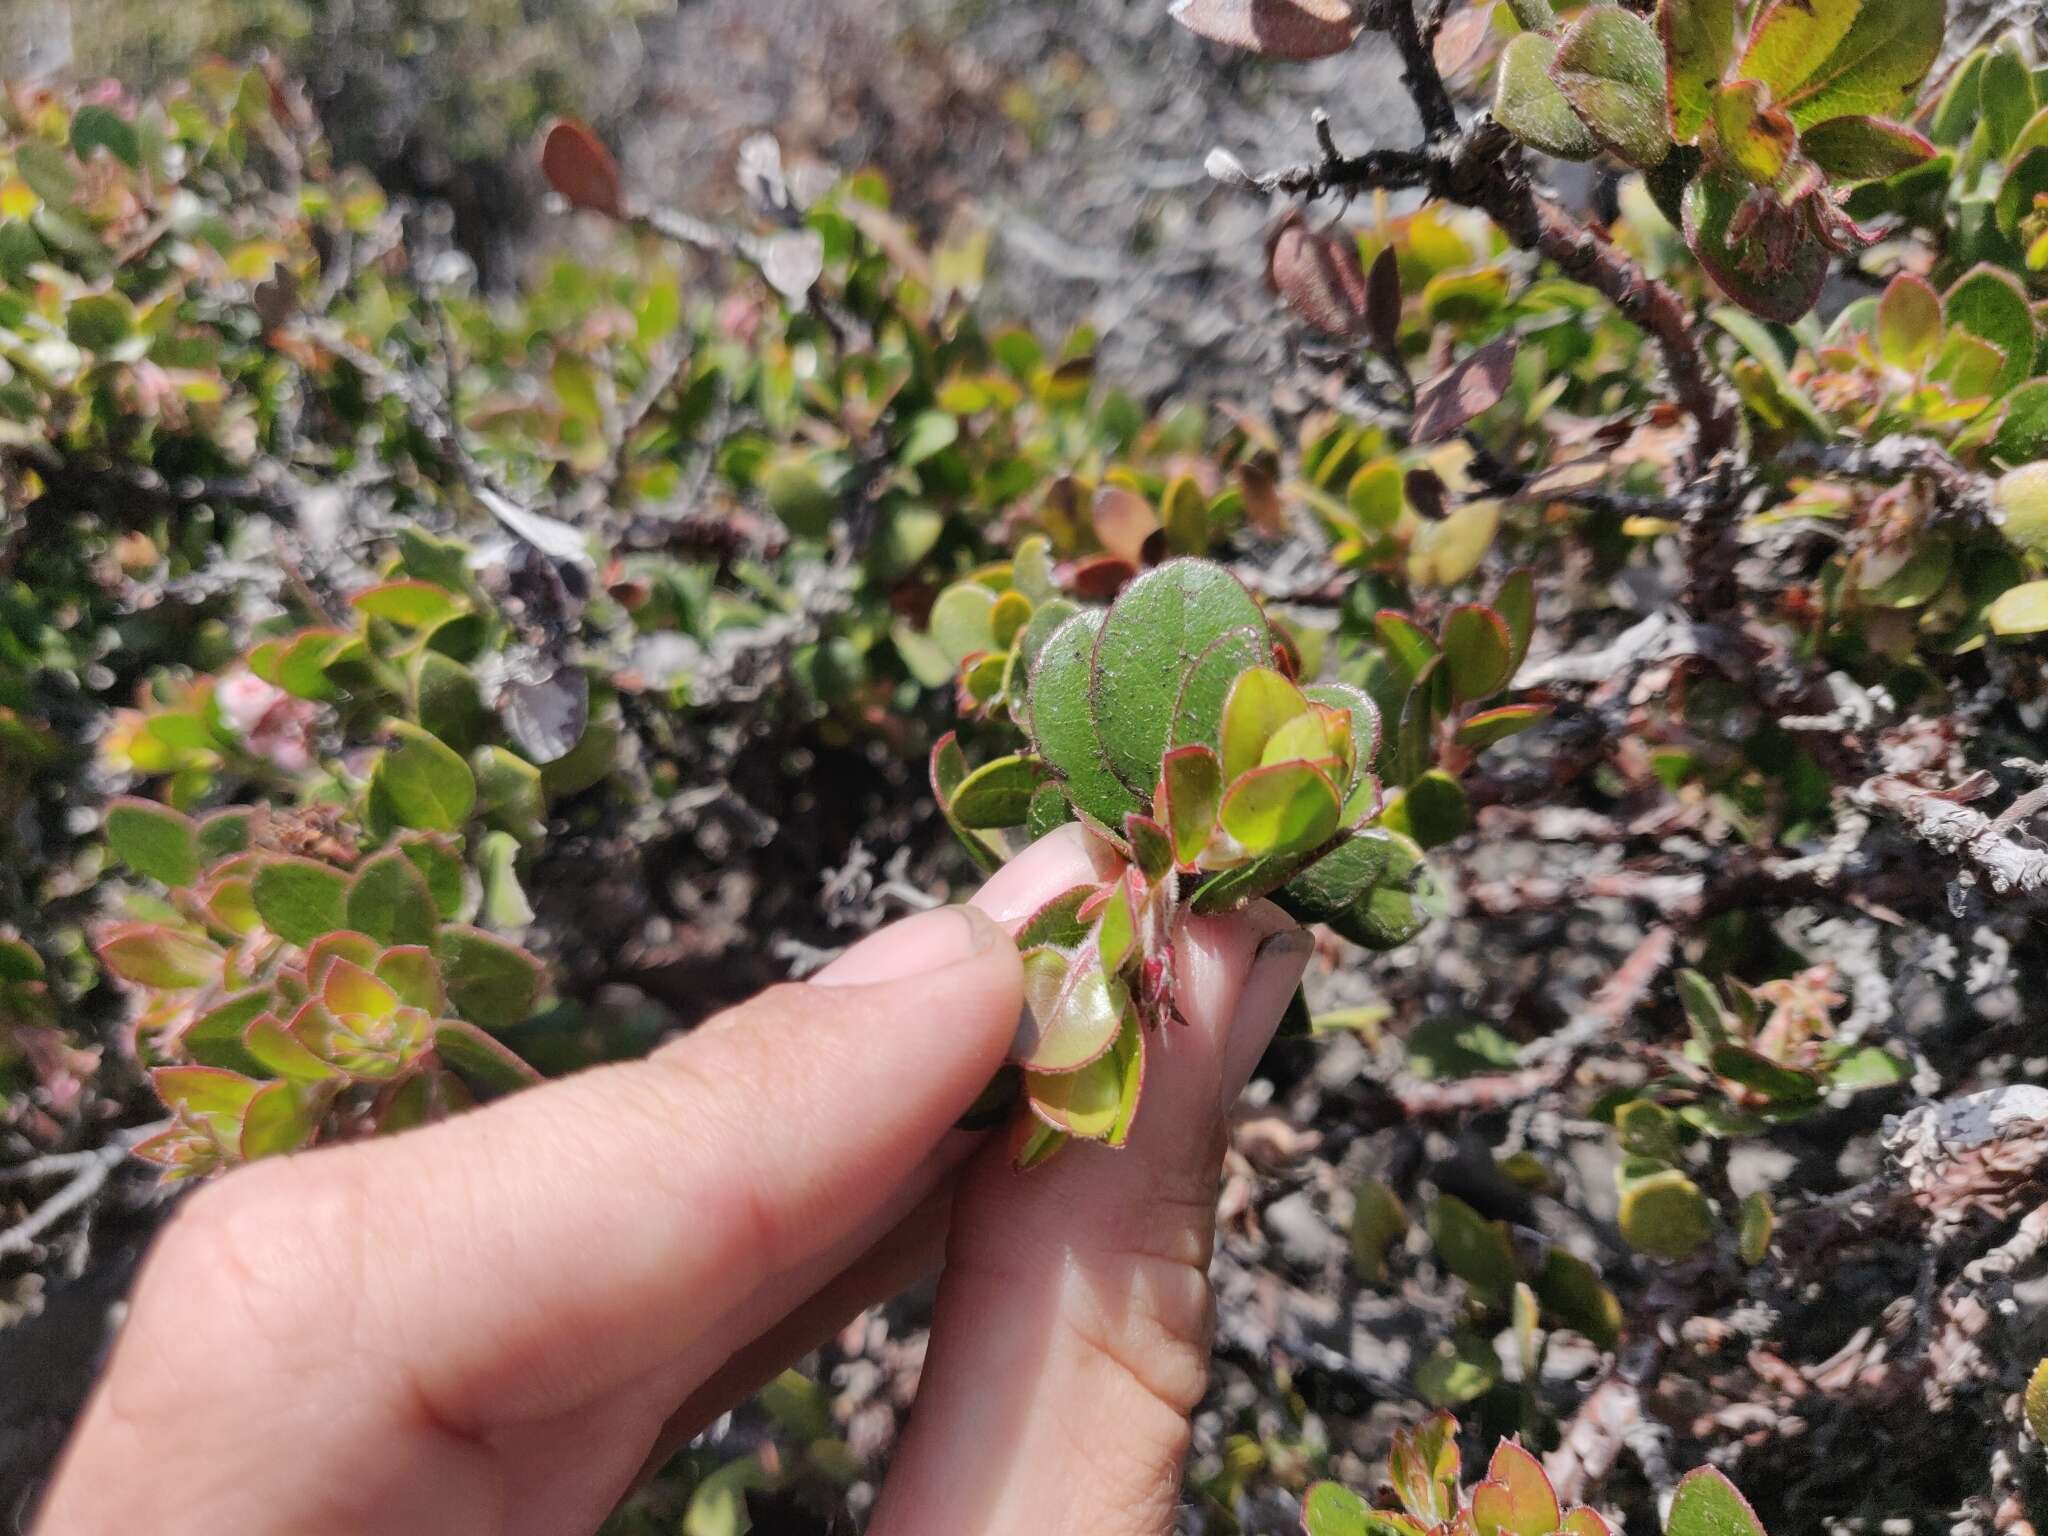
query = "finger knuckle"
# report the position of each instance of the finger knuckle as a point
(275, 1242)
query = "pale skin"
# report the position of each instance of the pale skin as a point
(495, 1324)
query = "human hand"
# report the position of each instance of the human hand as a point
(493, 1324)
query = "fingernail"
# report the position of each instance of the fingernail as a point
(930, 941)
(1275, 974)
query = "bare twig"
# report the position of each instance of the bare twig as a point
(88, 1173)
(2009, 858)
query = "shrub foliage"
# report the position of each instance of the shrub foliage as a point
(346, 613)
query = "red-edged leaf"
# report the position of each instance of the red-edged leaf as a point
(1492, 725)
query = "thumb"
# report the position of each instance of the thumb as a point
(1072, 1333)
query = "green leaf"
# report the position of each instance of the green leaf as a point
(1230, 890)
(1967, 366)
(1185, 514)
(1790, 38)
(300, 900)
(931, 433)
(2025, 184)
(478, 1057)
(2022, 438)
(1399, 905)
(1707, 1504)
(154, 840)
(1462, 1369)
(19, 962)
(1699, 40)
(963, 620)
(1664, 1215)
(490, 982)
(1779, 266)
(1474, 1249)
(1433, 810)
(1408, 644)
(1527, 102)
(1378, 1220)
(795, 488)
(1864, 148)
(413, 973)
(1908, 322)
(948, 773)
(422, 782)
(1058, 923)
(284, 1116)
(1073, 1011)
(1570, 1289)
(221, 833)
(100, 322)
(2021, 611)
(1193, 782)
(1752, 133)
(998, 794)
(1375, 493)
(442, 866)
(446, 701)
(1260, 704)
(1647, 1129)
(216, 1098)
(1365, 737)
(1781, 1084)
(1753, 1227)
(1329, 887)
(1991, 305)
(1875, 69)
(1151, 640)
(1063, 726)
(214, 1039)
(1198, 709)
(1610, 67)
(388, 899)
(1956, 113)
(509, 790)
(1492, 725)
(97, 127)
(282, 1053)
(412, 604)
(2036, 1402)
(1284, 808)
(1100, 1101)
(2006, 97)
(1478, 650)
(1329, 1509)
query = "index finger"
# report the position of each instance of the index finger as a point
(516, 1262)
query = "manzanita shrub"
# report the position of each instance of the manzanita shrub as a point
(394, 675)
(1172, 724)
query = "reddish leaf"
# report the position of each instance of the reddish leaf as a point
(1123, 521)
(1319, 276)
(1279, 29)
(1475, 385)
(1424, 489)
(581, 169)
(1100, 576)
(1383, 307)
